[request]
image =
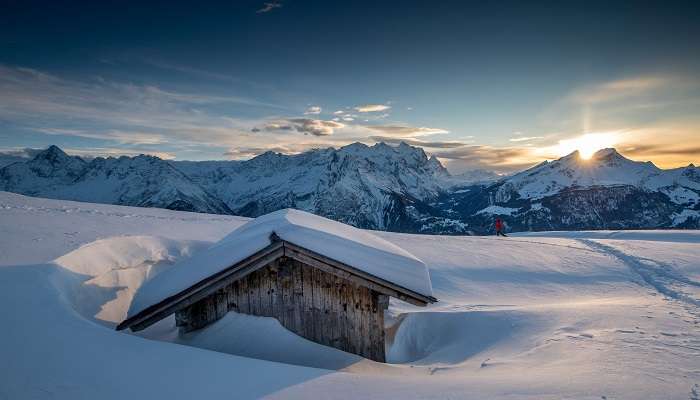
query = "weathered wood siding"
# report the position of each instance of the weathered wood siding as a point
(312, 303)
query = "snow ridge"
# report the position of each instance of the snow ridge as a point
(381, 187)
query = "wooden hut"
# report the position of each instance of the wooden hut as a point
(325, 281)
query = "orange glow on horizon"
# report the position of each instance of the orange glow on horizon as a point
(587, 144)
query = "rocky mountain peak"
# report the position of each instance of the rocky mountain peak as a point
(53, 155)
(54, 162)
(394, 187)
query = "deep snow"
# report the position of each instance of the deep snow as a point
(354, 247)
(540, 316)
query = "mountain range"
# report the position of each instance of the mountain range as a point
(395, 188)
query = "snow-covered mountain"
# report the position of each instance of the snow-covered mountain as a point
(396, 188)
(143, 181)
(606, 167)
(377, 187)
(605, 191)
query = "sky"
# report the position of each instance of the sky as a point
(498, 86)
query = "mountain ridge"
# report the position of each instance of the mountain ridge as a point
(396, 188)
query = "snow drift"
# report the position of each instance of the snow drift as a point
(344, 243)
(573, 315)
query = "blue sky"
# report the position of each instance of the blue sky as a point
(498, 86)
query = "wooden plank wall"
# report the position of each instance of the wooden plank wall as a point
(309, 302)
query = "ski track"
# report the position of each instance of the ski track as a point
(662, 277)
(666, 281)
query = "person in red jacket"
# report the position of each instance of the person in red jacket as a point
(500, 228)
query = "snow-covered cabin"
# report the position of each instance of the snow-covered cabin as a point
(324, 280)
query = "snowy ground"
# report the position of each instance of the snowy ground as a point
(551, 315)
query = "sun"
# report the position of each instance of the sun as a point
(587, 144)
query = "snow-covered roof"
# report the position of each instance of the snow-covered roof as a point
(357, 248)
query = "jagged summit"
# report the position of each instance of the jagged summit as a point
(366, 186)
(52, 151)
(605, 167)
(386, 187)
(144, 180)
(55, 156)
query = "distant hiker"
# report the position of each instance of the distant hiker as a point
(500, 227)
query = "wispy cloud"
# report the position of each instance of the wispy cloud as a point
(500, 159)
(662, 150)
(244, 152)
(267, 7)
(25, 152)
(624, 104)
(667, 144)
(316, 127)
(618, 89)
(526, 138)
(120, 112)
(419, 143)
(313, 110)
(371, 108)
(121, 137)
(405, 131)
(185, 69)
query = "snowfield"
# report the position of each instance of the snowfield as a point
(551, 315)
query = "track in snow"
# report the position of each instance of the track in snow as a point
(660, 276)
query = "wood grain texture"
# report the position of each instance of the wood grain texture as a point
(312, 303)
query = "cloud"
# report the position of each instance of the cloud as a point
(26, 152)
(248, 152)
(274, 126)
(267, 7)
(618, 89)
(119, 112)
(526, 138)
(661, 150)
(316, 127)
(313, 110)
(405, 131)
(666, 144)
(625, 103)
(122, 137)
(371, 108)
(419, 143)
(500, 159)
